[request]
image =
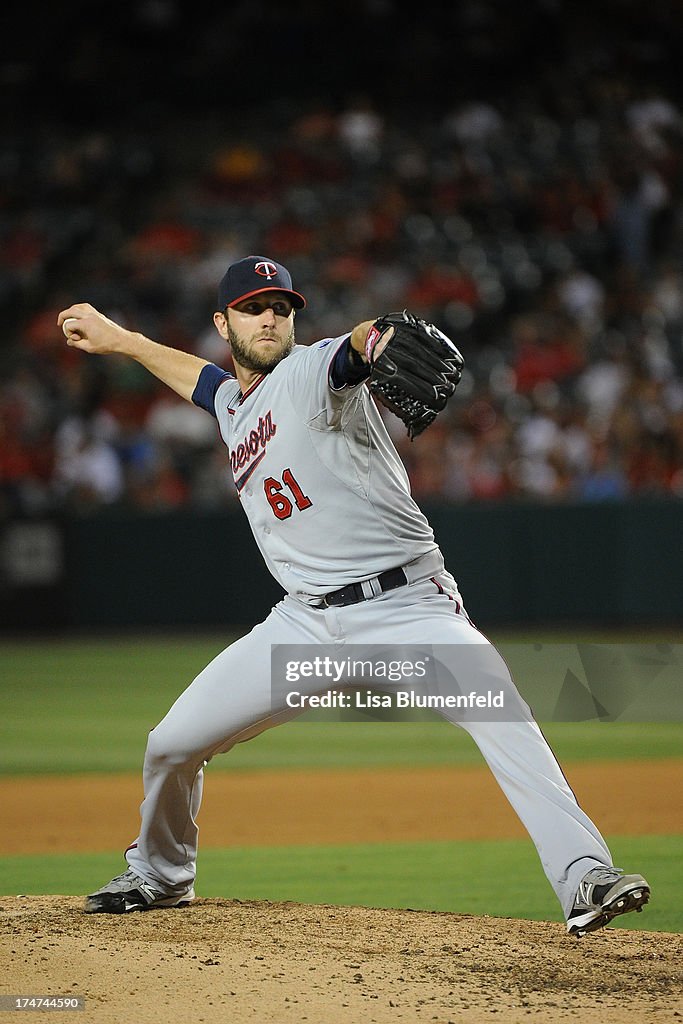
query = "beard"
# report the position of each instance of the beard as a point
(253, 360)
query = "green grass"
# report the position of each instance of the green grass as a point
(47, 745)
(86, 705)
(462, 877)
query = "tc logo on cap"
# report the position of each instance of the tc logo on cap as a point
(238, 281)
(265, 269)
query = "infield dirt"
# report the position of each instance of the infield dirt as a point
(230, 960)
(225, 960)
(56, 814)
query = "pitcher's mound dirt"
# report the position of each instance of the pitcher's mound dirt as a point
(226, 960)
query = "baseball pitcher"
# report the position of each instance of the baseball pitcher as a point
(329, 503)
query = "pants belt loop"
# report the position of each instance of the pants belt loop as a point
(370, 588)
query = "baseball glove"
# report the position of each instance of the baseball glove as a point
(417, 371)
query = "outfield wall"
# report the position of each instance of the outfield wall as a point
(606, 564)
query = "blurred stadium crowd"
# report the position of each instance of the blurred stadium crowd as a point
(537, 218)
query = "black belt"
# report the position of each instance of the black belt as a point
(352, 594)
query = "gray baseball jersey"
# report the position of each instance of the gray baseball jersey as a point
(318, 476)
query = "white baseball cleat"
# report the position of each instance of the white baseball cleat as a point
(605, 893)
(129, 892)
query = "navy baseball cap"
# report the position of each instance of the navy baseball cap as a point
(252, 275)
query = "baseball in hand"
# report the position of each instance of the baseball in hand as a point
(69, 324)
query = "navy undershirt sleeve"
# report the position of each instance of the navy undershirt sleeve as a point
(344, 371)
(208, 383)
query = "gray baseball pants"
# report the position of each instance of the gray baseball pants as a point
(231, 701)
